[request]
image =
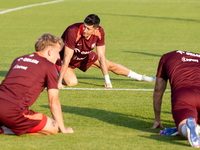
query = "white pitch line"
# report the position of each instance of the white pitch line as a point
(107, 89)
(28, 6)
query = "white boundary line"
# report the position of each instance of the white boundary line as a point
(106, 89)
(28, 6)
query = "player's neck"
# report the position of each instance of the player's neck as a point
(87, 38)
(40, 54)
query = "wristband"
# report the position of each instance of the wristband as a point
(107, 80)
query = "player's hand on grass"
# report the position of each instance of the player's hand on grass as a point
(108, 85)
(60, 85)
(68, 130)
(157, 124)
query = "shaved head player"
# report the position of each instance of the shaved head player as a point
(80, 39)
(26, 79)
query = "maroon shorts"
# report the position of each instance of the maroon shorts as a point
(20, 120)
(83, 65)
(185, 104)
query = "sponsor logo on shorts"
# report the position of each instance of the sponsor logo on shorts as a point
(93, 57)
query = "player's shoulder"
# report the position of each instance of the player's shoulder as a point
(42, 60)
(169, 54)
(25, 58)
(100, 30)
(74, 27)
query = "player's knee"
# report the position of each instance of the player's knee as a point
(51, 127)
(110, 65)
(72, 83)
(54, 131)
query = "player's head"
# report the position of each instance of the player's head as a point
(49, 45)
(91, 23)
(47, 40)
(92, 19)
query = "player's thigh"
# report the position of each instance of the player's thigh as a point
(51, 126)
(70, 77)
(109, 64)
(184, 105)
(96, 64)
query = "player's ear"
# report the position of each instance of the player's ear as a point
(49, 52)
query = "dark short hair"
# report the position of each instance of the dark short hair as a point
(92, 19)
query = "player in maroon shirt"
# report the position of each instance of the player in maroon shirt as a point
(80, 40)
(26, 79)
(183, 71)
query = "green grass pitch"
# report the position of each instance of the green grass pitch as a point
(138, 32)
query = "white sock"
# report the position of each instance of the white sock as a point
(184, 130)
(198, 129)
(134, 75)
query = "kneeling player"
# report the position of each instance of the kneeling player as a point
(26, 79)
(183, 71)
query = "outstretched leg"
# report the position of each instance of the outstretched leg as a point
(122, 70)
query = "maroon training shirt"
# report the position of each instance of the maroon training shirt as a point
(27, 78)
(74, 39)
(181, 68)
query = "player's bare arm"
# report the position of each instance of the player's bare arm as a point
(160, 87)
(103, 65)
(67, 57)
(56, 111)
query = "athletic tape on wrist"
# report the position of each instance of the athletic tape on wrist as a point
(107, 80)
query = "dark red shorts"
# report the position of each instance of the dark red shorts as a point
(20, 120)
(83, 65)
(185, 104)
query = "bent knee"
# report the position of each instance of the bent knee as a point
(71, 83)
(54, 131)
(51, 127)
(111, 65)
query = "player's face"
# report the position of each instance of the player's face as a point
(88, 30)
(55, 55)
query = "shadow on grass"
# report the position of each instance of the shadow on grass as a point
(89, 81)
(143, 53)
(119, 119)
(95, 78)
(107, 116)
(3, 73)
(151, 17)
(177, 140)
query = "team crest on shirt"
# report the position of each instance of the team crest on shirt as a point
(93, 45)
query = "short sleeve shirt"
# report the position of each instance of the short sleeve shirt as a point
(27, 78)
(181, 68)
(74, 39)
